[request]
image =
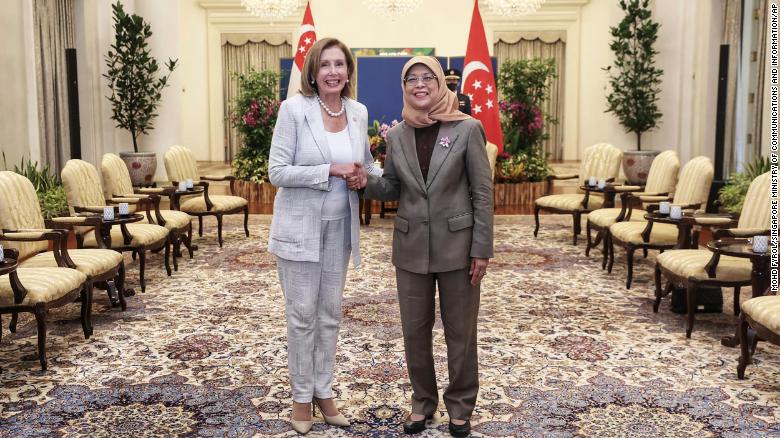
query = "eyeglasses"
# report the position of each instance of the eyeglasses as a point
(412, 80)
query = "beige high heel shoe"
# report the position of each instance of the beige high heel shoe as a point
(336, 420)
(302, 426)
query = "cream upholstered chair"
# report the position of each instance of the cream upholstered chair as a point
(85, 194)
(691, 193)
(117, 184)
(661, 181)
(99, 265)
(693, 268)
(36, 290)
(601, 160)
(181, 165)
(492, 154)
(762, 314)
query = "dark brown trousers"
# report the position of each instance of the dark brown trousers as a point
(459, 304)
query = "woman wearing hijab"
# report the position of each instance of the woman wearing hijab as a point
(438, 170)
(319, 139)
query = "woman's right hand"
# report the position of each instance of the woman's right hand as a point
(342, 170)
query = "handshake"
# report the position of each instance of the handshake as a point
(353, 173)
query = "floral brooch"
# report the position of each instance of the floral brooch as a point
(444, 142)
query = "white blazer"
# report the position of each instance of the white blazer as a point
(299, 165)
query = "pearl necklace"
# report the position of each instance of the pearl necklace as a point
(332, 113)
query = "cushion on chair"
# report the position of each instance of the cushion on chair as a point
(690, 263)
(221, 203)
(43, 285)
(569, 202)
(82, 184)
(694, 183)
(143, 234)
(180, 164)
(631, 232)
(604, 217)
(175, 219)
(92, 262)
(116, 177)
(756, 211)
(662, 177)
(601, 160)
(19, 209)
(765, 311)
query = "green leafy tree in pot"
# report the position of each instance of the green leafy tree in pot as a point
(133, 75)
(634, 78)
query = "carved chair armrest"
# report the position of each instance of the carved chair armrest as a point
(58, 237)
(655, 198)
(151, 190)
(230, 178)
(218, 178)
(562, 176)
(90, 209)
(739, 232)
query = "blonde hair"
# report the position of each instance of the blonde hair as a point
(311, 66)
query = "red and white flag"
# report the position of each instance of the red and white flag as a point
(305, 41)
(479, 83)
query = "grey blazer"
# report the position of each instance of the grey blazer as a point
(299, 165)
(445, 221)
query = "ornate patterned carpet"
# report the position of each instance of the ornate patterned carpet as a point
(565, 350)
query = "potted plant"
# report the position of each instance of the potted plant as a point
(522, 169)
(254, 116)
(136, 85)
(635, 83)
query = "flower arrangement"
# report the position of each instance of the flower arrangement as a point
(524, 86)
(254, 116)
(377, 139)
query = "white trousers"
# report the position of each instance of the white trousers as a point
(313, 292)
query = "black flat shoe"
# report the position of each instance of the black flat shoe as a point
(413, 427)
(460, 430)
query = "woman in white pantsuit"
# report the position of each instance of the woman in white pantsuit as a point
(319, 141)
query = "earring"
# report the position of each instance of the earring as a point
(311, 81)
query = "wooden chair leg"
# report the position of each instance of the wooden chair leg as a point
(200, 226)
(576, 226)
(12, 324)
(611, 255)
(188, 242)
(40, 319)
(168, 257)
(119, 282)
(605, 249)
(536, 219)
(691, 295)
(246, 220)
(175, 241)
(658, 291)
(630, 264)
(219, 230)
(744, 350)
(142, 268)
(86, 310)
(589, 239)
(644, 252)
(736, 301)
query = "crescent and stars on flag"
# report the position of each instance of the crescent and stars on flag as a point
(478, 81)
